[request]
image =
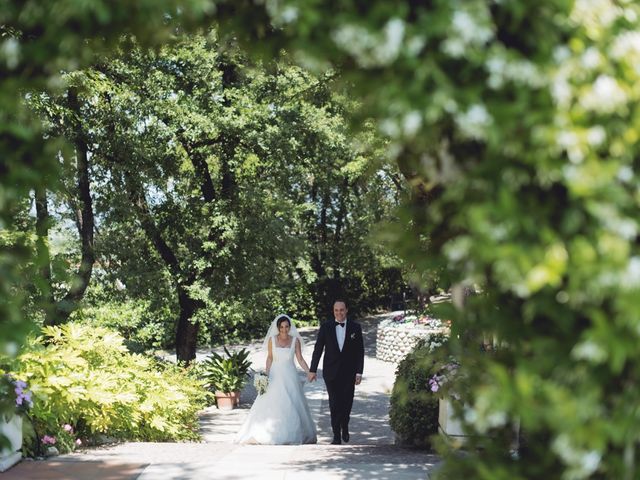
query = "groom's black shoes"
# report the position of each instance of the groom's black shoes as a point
(345, 435)
(336, 440)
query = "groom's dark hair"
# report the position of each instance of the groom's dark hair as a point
(341, 300)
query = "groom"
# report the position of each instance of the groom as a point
(343, 348)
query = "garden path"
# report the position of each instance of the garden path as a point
(371, 453)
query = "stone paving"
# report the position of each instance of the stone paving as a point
(371, 453)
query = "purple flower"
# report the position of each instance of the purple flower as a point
(433, 384)
(78, 442)
(67, 428)
(49, 440)
(22, 395)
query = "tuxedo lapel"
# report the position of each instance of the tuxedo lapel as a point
(347, 335)
(332, 335)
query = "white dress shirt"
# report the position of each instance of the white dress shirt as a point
(341, 334)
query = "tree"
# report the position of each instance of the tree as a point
(228, 169)
(37, 45)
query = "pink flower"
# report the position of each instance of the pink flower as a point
(67, 428)
(78, 442)
(49, 440)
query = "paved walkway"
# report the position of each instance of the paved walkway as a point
(370, 454)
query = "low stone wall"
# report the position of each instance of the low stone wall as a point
(393, 342)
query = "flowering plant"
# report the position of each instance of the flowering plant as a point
(443, 377)
(261, 382)
(64, 440)
(14, 395)
(424, 320)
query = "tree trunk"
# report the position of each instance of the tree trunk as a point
(61, 310)
(79, 284)
(186, 331)
(42, 232)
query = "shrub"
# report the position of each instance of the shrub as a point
(413, 410)
(237, 319)
(141, 327)
(86, 383)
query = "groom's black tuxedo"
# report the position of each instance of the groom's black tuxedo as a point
(339, 369)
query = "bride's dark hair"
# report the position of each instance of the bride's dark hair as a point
(282, 319)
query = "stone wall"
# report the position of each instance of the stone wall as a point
(394, 341)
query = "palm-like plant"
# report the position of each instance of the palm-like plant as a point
(226, 374)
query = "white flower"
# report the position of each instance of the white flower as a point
(281, 14)
(590, 351)
(561, 90)
(625, 174)
(605, 96)
(10, 50)
(415, 45)
(521, 72)
(582, 463)
(369, 48)
(625, 45)
(469, 28)
(412, 123)
(596, 136)
(595, 14)
(472, 29)
(390, 127)
(394, 34)
(289, 14)
(631, 278)
(463, 23)
(591, 58)
(474, 122)
(561, 54)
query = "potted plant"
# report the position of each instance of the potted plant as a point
(226, 375)
(448, 423)
(15, 400)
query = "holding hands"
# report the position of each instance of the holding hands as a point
(312, 376)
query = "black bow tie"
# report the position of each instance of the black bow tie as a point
(341, 324)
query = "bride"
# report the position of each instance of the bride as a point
(281, 415)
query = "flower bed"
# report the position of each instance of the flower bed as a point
(397, 336)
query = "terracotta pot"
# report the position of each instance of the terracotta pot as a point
(225, 401)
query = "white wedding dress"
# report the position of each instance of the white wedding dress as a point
(281, 415)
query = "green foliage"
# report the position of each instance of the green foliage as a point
(516, 125)
(227, 373)
(245, 318)
(36, 45)
(413, 411)
(251, 197)
(141, 327)
(83, 376)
